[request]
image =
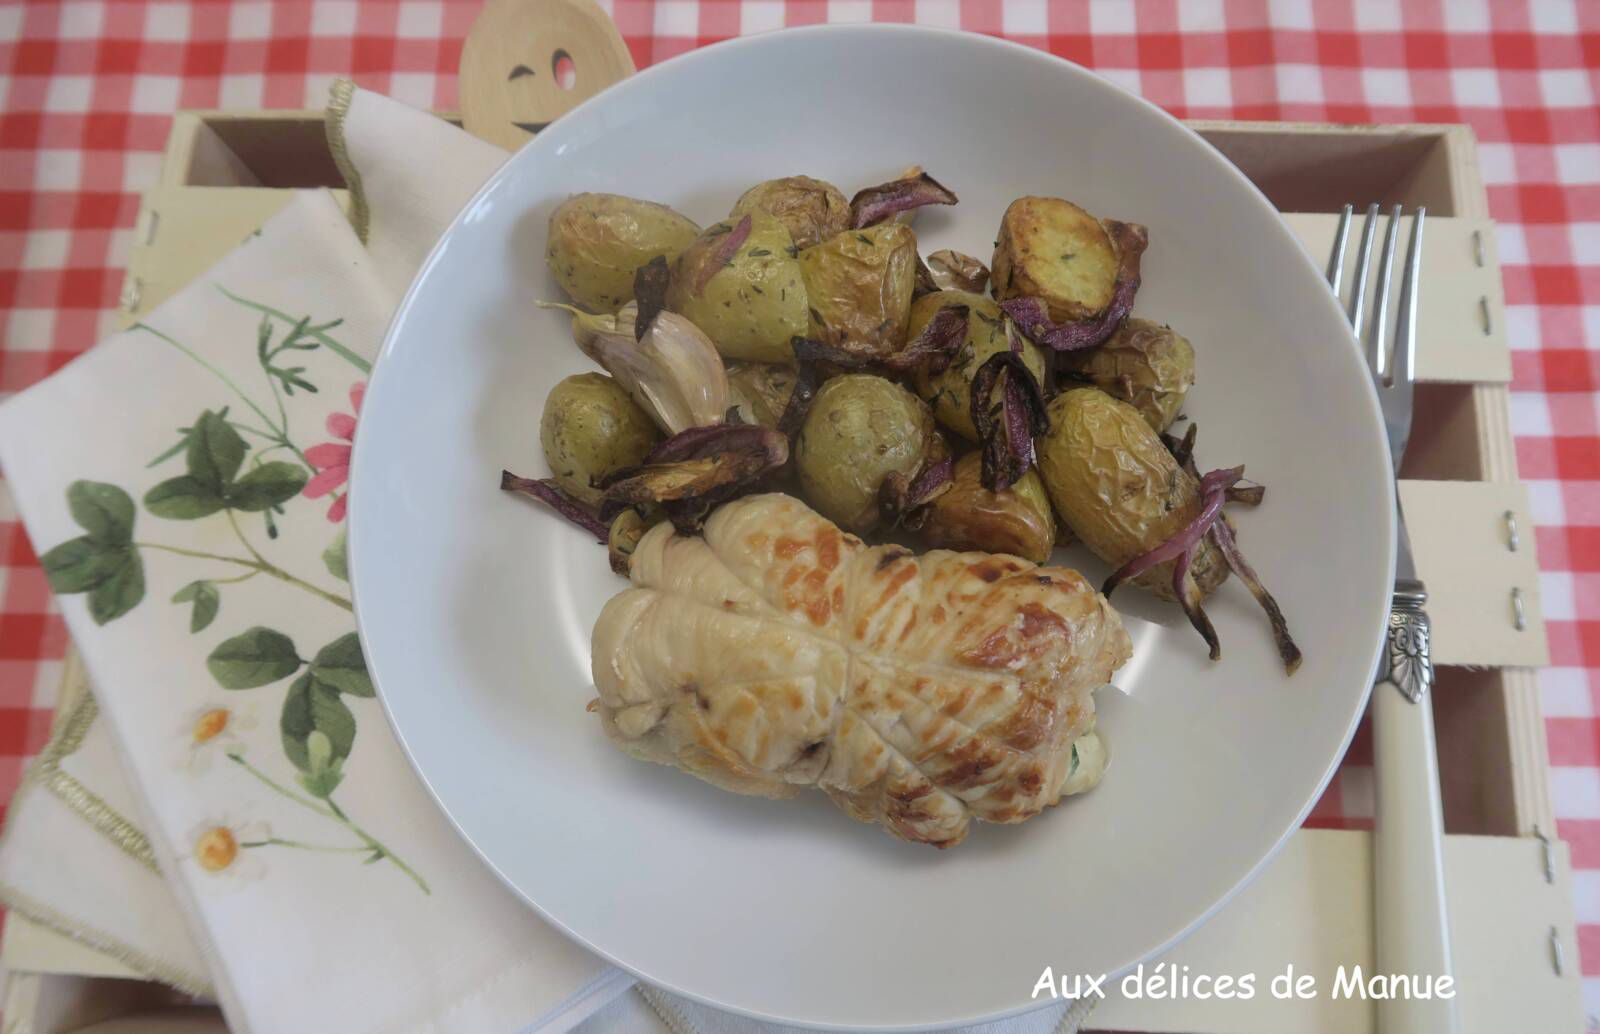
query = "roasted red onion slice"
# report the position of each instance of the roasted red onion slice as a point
(1182, 449)
(1216, 488)
(1031, 315)
(1222, 535)
(721, 255)
(695, 470)
(1245, 492)
(650, 293)
(875, 204)
(1213, 493)
(937, 345)
(695, 442)
(1248, 493)
(1007, 426)
(901, 499)
(549, 493)
(1191, 599)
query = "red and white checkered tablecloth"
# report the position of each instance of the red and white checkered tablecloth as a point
(89, 89)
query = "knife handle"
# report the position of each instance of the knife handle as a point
(1411, 924)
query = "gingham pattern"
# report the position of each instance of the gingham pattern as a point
(89, 89)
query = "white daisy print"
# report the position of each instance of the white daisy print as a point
(207, 732)
(223, 848)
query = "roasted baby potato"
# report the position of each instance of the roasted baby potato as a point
(858, 286)
(812, 210)
(760, 391)
(1119, 489)
(949, 392)
(597, 241)
(591, 428)
(1053, 250)
(859, 429)
(1145, 364)
(755, 303)
(968, 516)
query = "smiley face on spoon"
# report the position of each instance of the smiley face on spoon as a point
(527, 62)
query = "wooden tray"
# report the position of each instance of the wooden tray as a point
(1513, 932)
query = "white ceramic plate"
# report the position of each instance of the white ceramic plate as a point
(475, 606)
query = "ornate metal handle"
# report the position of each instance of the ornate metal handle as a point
(1407, 660)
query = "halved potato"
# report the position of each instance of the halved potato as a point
(859, 285)
(1051, 249)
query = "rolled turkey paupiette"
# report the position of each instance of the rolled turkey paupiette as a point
(919, 692)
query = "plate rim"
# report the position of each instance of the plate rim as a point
(640, 80)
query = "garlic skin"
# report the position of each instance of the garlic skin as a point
(955, 271)
(674, 372)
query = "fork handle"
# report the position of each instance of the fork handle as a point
(1411, 925)
(1408, 655)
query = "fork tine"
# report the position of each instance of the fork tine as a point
(1405, 336)
(1336, 261)
(1378, 354)
(1358, 299)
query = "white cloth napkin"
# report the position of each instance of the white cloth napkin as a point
(74, 857)
(323, 888)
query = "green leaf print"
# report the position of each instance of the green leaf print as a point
(119, 593)
(253, 658)
(341, 666)
(183, 498)
(80, 564)
(324, 772)
(104, 562)
(104, 511)
(206, 600)
(335, 559)
(311, 708)
(266, 486)
(215, 452)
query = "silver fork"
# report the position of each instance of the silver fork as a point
(1410, 920)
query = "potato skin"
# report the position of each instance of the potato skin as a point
(1145, 364)
(754, 305)
(859, 285)
(1119, 489)
(592, 428)
(950, 391)
(812, 210)
(597, 241)
(1017, 521)
(859, 429)
(1049, 248)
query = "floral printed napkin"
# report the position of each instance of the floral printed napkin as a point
(185, 483)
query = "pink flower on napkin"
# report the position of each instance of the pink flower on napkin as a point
(332, 459)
